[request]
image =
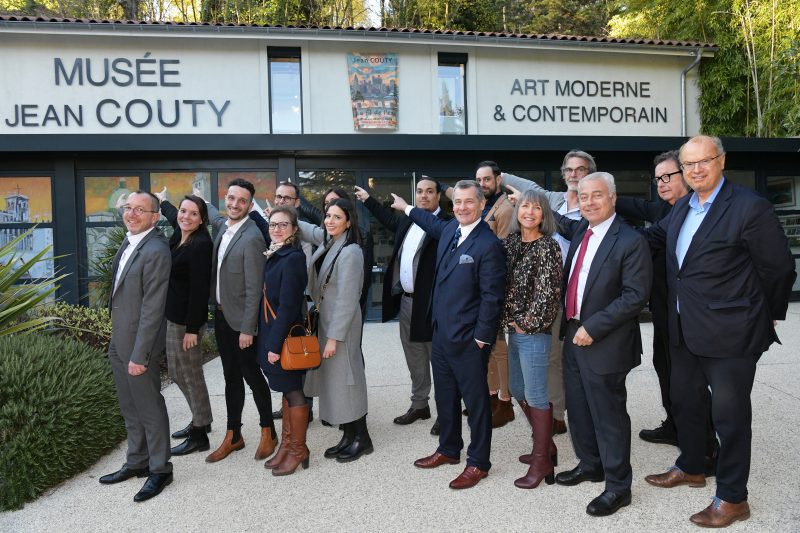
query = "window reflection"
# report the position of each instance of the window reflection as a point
(452, 90)
(286, 109)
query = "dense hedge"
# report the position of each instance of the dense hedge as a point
(58, 413)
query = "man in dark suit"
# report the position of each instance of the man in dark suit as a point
(610, 273)
(236, 280)
(407, 289)
(138, 300)
(729, 277)
(466, 304)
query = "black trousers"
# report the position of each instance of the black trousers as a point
(731, 381)
(239, 366)
(599, 424)
(661, 364)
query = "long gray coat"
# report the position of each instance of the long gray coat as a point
(340, 382)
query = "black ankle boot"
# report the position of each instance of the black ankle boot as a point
(197, 441)
(184, 433)
(348, 437)
(361, 445)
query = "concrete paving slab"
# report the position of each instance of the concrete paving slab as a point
(384, 492)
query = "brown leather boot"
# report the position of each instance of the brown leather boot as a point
(298, 451)
(541, 466)
(226, 448)
(286, 425)
(528, 457)
(503, 413)
(266, 445)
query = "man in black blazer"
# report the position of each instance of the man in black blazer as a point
(729, 278)
(465, 306)
(407, 288)
(610, 274)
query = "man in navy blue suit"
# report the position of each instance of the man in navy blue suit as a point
(729, 278)
(466, 304)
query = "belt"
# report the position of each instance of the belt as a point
(408, 294)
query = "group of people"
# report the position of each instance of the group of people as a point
(548, 287)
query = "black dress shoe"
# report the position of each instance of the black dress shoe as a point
(578, 475)
(435, 430)
(184, 433)
(663, 434)
(124, 474)
(412, 415)
(608, 503)
(196, 442)
(153, 486)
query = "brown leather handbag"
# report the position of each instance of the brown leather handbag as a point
(301, 352)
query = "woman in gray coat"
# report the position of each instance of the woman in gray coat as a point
(335, 279)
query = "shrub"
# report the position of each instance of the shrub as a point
(58, 413)
(83, 324)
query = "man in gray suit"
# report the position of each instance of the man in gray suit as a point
(138, 298)
(236, 281)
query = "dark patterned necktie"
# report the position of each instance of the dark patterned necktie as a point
(454, 243)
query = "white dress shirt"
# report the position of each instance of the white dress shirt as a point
(223, 247)
(133, 242)
(574, 214)
(598, 233)
(411, 244)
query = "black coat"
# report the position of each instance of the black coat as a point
(421, 328)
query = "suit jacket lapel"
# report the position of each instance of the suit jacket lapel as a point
(600, 256)
(129, 262)
(715, 212)
(448, 266)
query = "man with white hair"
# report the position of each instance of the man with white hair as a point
(608, 283)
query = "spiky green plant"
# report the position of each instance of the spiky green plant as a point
(103, 265)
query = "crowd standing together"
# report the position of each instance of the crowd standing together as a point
(530, 294)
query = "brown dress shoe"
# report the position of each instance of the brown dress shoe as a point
(468, 478)
(266, 446)
(226, 448)
(559, 427)
(437, 459)
(721, 513)
(502, 414)
(674, 477)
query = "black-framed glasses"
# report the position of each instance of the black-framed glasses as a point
(703, 163)
(665, 177)
(138, 211)
(282, 198)
(579, 170)
(279, 225)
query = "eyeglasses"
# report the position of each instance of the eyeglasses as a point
(578, 170)
(665, 177)
(138, 211)
(282, 198)
(279, 225)
(704, 163)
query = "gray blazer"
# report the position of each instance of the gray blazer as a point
(240, 275)
(555, 198)
(137, 304)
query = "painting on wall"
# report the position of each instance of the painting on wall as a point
(373, 90)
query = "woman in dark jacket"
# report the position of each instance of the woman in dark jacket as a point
(282, 306)
(187, 313)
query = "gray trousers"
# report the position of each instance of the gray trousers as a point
(186, 369)
(555, 373)
(418, 358)
(145, 414)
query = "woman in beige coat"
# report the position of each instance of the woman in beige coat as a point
(335, 279)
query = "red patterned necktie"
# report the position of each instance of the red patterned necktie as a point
(572, 286)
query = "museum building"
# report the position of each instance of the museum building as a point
(91, 110)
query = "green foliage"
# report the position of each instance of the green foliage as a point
(103, 264)
(58, 414)
(752, 85)
(83, 324)
(17, 299)
(208, 343)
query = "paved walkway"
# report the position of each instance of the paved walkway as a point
(384, 492)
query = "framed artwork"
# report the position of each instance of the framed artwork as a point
(780, 191)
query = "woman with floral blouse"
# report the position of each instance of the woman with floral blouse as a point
(533, 292)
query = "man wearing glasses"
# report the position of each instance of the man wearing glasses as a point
(729, 277)
(575, 166)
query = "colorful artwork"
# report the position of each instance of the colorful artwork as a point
(373, 90)
(179, 184)
(101, 194)
(264, 182)
(27, 201)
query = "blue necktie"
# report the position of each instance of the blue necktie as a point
(456, 237)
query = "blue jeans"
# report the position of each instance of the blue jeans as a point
(527, 368)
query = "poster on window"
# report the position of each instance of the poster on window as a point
(27, 201)
(373, 90)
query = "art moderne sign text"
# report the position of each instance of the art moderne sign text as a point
(110, 113)
(623, 106)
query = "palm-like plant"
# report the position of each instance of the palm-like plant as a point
(17, 299)
(103, 263)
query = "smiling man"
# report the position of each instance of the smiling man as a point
(467, 298)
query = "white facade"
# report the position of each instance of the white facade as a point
(218, 82)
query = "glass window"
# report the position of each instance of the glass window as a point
(179, 184)
(313, 184)
(784, 193)
(28, 202)
(745, 178)
(101, 194)
(264, 182)
(285, 90)
(452, 93)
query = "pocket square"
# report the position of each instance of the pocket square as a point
(465, 259)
